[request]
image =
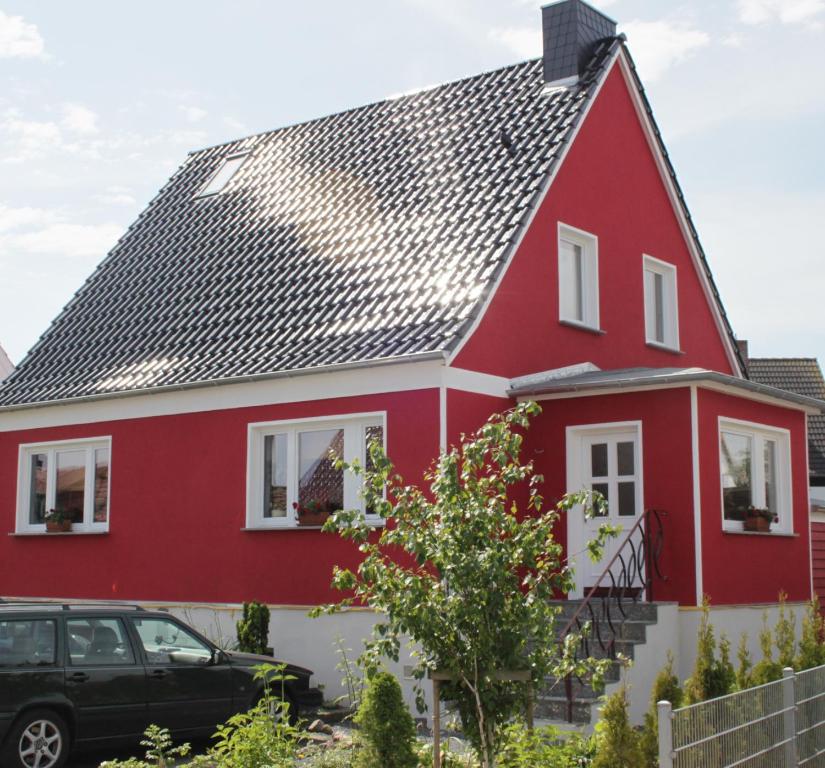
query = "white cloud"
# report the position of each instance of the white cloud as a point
(116, 196)
(44, 232)
(27, 138)
(733, 40)
(234, 124)
(524, 42)
(79, 119)
(784, 11)
(19, 39)
(658, 45)
(193, 114)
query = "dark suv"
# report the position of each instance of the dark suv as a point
(98, 675)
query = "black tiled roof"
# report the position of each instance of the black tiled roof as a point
(803, 376)
(363, 236)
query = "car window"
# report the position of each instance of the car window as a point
(27, 643)
(98, 642)
(167, 642)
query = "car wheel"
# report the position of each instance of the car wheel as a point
(39, 739)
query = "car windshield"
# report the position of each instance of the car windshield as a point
(167, 642)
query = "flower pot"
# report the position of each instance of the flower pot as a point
(758, 523)
(64, 526)
(312, 518)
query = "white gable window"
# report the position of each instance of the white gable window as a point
(661, 303)
(578, 277)
(225, 173)
(755, 464)
(292, 477)
(70, 478)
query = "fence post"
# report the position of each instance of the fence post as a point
(789, 717)
(664, 710)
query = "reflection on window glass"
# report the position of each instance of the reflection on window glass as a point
(166, 642)
(37, 490)
(625, 456)
(101, 501)
(98, 642)
(770, 476)
(275, 475)
(604, 490)
(71, 484)
(598, 459)
(27, 643)
(320, 484)
(737, 490)
(627, 499)
(374, 434)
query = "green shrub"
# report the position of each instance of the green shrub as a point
(616, 743)
(743, 671)
(766, 670)
(785, 633)
(811, 649)
(253, 628)
(387, 727)
(159, 751)
(711, 677)
(522, 748)
(665, 688)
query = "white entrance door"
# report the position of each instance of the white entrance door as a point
(605, 458)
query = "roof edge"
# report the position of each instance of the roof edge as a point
(415, 357)
(685, 378)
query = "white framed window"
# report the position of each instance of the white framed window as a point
(225, 173)
(661, 303)
(291, 471)
(69, 476)
(578, 277)
(755, 467)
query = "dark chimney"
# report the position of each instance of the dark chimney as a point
(571, 30)
(743, 350)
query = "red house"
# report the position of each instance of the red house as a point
(403, 270)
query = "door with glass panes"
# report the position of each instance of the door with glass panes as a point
(607, 460)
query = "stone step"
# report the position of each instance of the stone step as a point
(629, 610)
(555, 709)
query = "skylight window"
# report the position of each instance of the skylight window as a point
(230, 166)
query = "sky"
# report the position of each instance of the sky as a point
(100, 102)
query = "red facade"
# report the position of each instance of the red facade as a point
(179, 482)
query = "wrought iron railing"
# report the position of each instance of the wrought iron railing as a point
(628, 579)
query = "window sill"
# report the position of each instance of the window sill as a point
(582, 327)
(776, 534)
(281, 528)
(58, 533)
(664, 348)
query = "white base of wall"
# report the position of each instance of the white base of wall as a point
(676, 631)
(312, 643)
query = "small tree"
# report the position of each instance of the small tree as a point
(811, 649)
(387, 728)
(766, 670)
(253, 628)
(617, 743)
(665, 688)
(743, 671)
(785, 633)
(711, 677)
(467, 577)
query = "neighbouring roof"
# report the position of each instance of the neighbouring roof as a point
(803, 376)
(621, 378)
(6, 365)
(361, 237)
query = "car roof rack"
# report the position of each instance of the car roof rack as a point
(33, 604)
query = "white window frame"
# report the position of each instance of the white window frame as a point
(354, 426)
(51, 449)
(589, 245)
(670, 309)
(758, 433)
(205, 190)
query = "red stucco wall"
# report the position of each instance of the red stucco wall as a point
(609, 186)
(178, 504)
(751, 568)
(666, 462)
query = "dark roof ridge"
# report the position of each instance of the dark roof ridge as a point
(766, 359)
(367, 105)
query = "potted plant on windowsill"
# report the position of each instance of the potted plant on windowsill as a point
(57, 521)
(314, 512)
(758, 519)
